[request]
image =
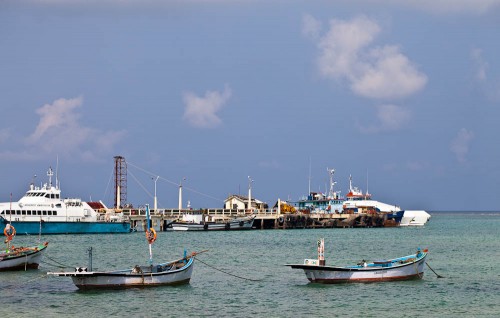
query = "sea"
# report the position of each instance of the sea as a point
(243, 274)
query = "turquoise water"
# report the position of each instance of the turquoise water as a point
(464, 248)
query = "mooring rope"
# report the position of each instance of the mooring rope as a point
(60, 265)
(240, 277)
(438, 276)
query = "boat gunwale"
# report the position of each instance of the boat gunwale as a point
(125, 272)
(361, 269)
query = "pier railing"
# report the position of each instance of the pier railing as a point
(176, 213)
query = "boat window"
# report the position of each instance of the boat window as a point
(23, 212)
(29, 212)
(3, 212)
(49, 212)
(44, 212)
(39, 212)
(54, 212)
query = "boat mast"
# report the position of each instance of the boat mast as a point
(332, 183)
(148, 219)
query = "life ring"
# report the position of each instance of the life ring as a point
(151, 235)
(10, 232)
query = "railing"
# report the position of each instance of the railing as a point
(213, 212)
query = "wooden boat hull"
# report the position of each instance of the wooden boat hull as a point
(131, 278)
(28, 258)
(244, 223)
(405, 268)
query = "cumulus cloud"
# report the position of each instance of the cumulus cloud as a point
(201, 112)
(60, 132)
(460, 144)
(380, 72)
(390, 118)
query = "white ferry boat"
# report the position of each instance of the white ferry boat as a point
(357, 202)
(43, 210)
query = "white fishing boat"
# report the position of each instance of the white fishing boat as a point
(401, 268)
(43, 208)
(168, 273)
(20, 258)
(198, 221)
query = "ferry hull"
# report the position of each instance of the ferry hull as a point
(32, 228)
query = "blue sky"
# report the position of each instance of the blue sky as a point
(404, 97)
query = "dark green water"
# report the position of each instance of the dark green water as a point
(464, 248)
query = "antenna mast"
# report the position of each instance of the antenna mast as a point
(120, 182)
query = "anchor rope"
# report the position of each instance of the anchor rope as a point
(60, 265)
(240, 277)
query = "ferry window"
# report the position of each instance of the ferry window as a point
(49, 212)
(54, 212)
(18, 212)
(3, 212)
(44, 212)
(29, 212)
(39, 212)
(23, 212)
(57, 196)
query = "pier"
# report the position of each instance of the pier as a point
(264, 219)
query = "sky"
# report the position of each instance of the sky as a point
(404, 96)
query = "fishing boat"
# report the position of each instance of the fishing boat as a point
(198, 221)
(169, 273)
(401, 268)
(19, 258)
(317, 202)
(43, 208)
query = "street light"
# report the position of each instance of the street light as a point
(250, 193)
(180, 193)
(155, 201)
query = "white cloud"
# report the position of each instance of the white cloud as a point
(390, 118)
(375, 72)
(480, 64)
(311, 27)
(201, 112)
(59, 114)
(59, 132)
(460, 144)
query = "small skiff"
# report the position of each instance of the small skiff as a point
(401, 268)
